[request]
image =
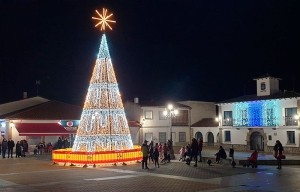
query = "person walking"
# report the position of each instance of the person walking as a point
(194, 147)
(144, 150)
(166, 151)
(151, 150)
(188, 154)
(278, 151)
(182, 152)
(155, 157)
(10, 147)
(200, 143)
(4, 147)
(18, 149)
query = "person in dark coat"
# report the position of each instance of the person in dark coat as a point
(4, 147)
(220, 154)
(151, 148)
(194, 147)
(25, 148)
(145, 151)
(200, 143)
(278, 150)
(155, 157)
(18, 149)
(10, 147)
(59, 143)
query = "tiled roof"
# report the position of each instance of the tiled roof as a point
(266, 76)
(51, 110)
(206, 122)
(278, 95)
(134, 124)
(12, 107)
(162, 104)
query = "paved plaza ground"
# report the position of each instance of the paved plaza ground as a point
(37, 173)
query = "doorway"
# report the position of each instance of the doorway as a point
(198, 136)
(257, 141)
(210, 139)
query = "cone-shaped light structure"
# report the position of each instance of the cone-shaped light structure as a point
(103, 125)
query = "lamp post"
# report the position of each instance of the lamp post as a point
(296, 117)
(170, 112)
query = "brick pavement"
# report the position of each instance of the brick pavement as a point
(38, 174)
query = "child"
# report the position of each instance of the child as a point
(188, 154)
(35, 151)
(155, 157)
(181, 152)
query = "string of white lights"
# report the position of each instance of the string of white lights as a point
(103, 124)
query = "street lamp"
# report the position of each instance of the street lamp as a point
(170, 112)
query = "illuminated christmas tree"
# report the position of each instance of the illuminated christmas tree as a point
(103, 124)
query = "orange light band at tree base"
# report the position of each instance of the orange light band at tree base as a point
(67, 156)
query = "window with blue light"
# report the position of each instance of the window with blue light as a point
(227, 136)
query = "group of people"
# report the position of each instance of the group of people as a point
(191, 152)
(21, 148)
(63, 143)
(158, 151)
(155, 152)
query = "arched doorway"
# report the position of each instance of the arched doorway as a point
(198, 136)
(210, 139)
(257, 141)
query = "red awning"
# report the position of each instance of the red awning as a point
(41, 129)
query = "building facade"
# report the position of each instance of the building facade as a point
(255, 122)
(156, 127)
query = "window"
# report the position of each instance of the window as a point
(263, 86)
(182, 137)
(162, 116)
(228, 115)
(290, 112)
(291, 137)
(148, 115)
(270, 137)
(227, 118)
(227, 136)
(162, 137)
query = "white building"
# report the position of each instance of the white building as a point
(157, 127)
(255, 122)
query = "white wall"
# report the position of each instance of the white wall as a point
(237, 136)
(200, 110)
(175, 130)
(134, 132)
(155, 121)
(258, 88)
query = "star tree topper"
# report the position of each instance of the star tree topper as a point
(104, 20)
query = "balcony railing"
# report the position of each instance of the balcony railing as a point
(227, 122)
(251, 122)
(291, 121)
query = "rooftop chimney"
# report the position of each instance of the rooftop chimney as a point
(24, 95)
(136, 100)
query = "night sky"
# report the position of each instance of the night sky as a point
(161, 50)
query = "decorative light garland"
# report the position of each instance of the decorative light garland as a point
(256, 114)
(103, 124)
